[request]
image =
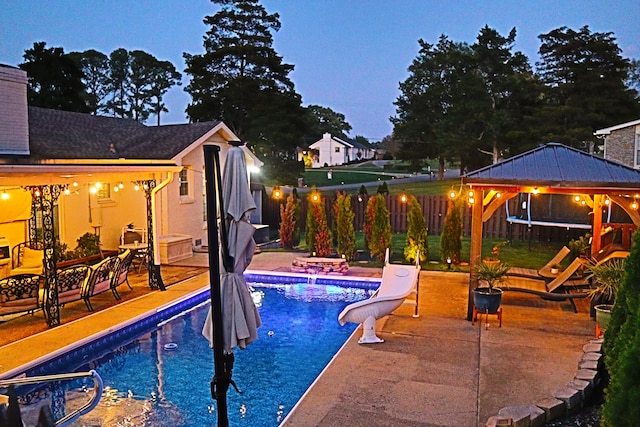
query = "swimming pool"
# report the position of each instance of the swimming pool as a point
(160, 376)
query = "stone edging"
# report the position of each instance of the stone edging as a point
(563, 401)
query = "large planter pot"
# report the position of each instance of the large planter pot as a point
(486, 301)
(603, 315)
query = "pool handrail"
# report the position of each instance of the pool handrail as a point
(65, 421)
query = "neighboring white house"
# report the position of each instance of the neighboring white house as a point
(334, 151)
(66, 148)
(622, 143)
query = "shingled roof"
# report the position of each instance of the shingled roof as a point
(57, 134)
(556, 165)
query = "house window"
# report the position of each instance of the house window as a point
(337, 149)
(183, 179)
(104, 192)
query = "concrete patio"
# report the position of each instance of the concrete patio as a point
(434, 370)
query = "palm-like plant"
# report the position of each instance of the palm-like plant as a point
(493, 274)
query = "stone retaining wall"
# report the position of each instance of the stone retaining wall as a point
(566, 400)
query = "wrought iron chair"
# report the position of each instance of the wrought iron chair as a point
(20, 293)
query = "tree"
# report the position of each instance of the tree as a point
(164, 76)
(119, 63)
(585, 76)
(622, 348)
(54, 79)
(416, 232)
(313, 198)
(287, 222)
(451, 237)
(95, 67)
(506, 87)
(345, 230)
(241, 80)
(440, 79)
(325, 120)
(381, 229)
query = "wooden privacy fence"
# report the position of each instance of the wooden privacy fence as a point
(434, 208)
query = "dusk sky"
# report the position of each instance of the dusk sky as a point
(349, 55)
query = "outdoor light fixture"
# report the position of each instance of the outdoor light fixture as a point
(5, 195)
(37, 193)
(93, 190)
(472, 200)
(136, 187)
(116, 188)
(315, 197)
(277, 193)
(535, 190)
(121, 186)
(452, 194)
(577, 198)
(607, 201)
(403, 197)
(634, 205)
(67, 191)
(449, 261)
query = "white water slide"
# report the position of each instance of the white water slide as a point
(398, 282)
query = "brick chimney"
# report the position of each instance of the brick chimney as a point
(14, 121)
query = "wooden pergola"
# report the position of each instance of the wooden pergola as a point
(550, 169)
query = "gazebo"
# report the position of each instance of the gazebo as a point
(550, 169)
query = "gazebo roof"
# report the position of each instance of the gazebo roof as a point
(555, 165)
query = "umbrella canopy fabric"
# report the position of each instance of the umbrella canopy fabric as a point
(240, 317)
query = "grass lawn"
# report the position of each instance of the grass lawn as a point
(318, 177)
(517, 253)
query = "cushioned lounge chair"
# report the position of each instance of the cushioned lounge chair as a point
(558, 288)
(539, 274)
(20, 293)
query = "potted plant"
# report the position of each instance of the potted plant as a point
(607, 278)
(488, 298)
(580, 247)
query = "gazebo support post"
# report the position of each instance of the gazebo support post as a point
(596, 239)
(476, 248)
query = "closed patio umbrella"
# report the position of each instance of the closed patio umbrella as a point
(233, 318)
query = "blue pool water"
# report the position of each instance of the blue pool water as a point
(151, 384)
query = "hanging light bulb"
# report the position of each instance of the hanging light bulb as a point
(121, 186)
(75, 184)
(634, 205)
(116, 189)
(403, 197)
(5, 195)
(577, 198)
(37, 193)
(452, 194)
(535, 190)
(98, 185)
(67, 191)
(136, 187)
(607, 201)
(93, 190)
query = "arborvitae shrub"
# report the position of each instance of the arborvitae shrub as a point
(297, 210)
(451, 237)
(416, 233)
(345, 229)
(367, 226)
(381, 230)
(622, 348)
(383, 188)
(287, 222)
(310, 229)
(322, 237)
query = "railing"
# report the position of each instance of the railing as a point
(73, 416)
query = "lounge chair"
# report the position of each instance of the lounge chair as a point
(544, 271)
(398, 281)
(558, 288)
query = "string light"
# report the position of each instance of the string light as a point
(5, 195)
(535, 190)
(67, 191)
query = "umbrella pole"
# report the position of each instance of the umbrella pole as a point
(221, 379)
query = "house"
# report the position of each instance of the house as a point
(103, 163)
(334, 151)
(622, 143)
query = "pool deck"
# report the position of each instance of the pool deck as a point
(434, 370)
